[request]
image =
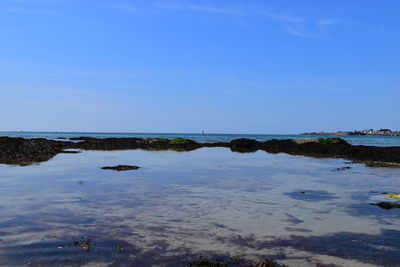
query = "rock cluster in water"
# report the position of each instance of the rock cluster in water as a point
(20, 151)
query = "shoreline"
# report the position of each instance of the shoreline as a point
(23, 152)
(356, 133)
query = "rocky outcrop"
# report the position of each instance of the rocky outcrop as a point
(21, 151)
(135, 143)
(338, 148)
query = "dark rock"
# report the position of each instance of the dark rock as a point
(382, 164)
(265, 263)
(301, 230)
(245, 145)
(219, 261)
(342, 168)
(71, 151)
(120, 168)
(22, 151)
(337, 148)
(137, 143)
(82, 138)
(387, 205)
(329, 147)
(85, 244)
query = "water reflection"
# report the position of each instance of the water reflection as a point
(182, 205)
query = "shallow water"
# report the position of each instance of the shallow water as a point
(177, 206)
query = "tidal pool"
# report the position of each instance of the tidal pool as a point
(297, 210)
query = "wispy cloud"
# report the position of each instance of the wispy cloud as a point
(306, 26)
(202, 8)
(303, 26)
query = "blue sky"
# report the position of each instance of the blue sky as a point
(237, 66)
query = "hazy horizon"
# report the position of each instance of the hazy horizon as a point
(201, 132)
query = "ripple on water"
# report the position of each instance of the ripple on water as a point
(311, 195)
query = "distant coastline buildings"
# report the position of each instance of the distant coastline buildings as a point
(382, 132)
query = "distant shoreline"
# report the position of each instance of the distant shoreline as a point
(371, 132)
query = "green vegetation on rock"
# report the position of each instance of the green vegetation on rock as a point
(393, 195)
(328, 141)
(179, 141)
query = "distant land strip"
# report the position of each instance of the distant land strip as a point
(381, 132)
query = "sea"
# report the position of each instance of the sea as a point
(184, 207)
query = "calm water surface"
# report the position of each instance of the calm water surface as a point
(297, 210)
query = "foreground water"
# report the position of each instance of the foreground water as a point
(211, 201)
(211, 138)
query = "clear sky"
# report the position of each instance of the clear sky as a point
(237, 66)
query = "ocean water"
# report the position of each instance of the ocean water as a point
(206, 138)
(178, 206)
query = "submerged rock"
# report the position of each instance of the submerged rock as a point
(120, 168)
(85, 244)
(387, 205)
(343, 168)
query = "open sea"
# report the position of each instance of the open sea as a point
(299, 211)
